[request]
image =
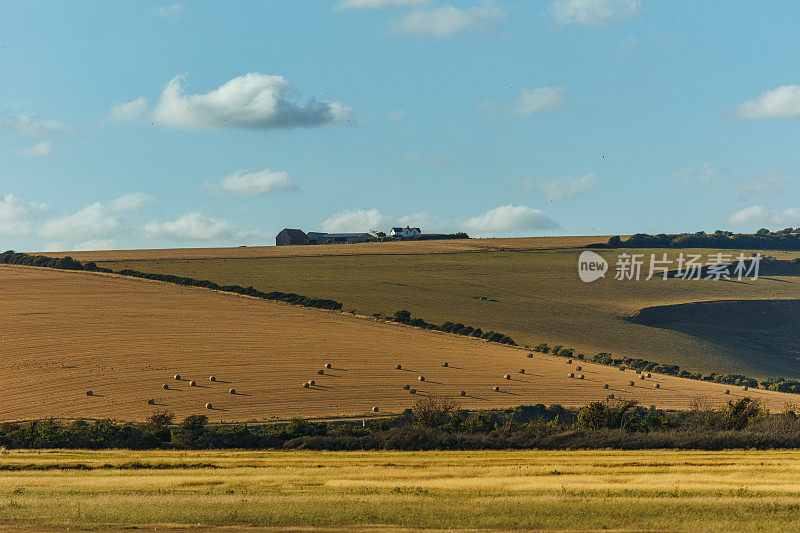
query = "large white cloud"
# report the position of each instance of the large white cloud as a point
(354, 220)
(254, 183)
(758, 215)
(510, 218)
(377, 4)
(783, 102)
(567, 188)
(39, 149)
(252, 101)
(133, 201)
(34, 125)
(17, 216)
(191, 226)
(541, 99)
(449, 20)
(91, 222)
(594, 12)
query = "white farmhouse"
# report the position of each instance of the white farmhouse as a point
(405, 232)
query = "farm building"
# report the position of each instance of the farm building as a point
(289, 236)
(295, 236)
(405, 232)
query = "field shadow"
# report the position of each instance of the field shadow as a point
(337, 369)
(237, 393)
(221, 381)
(472, 396)
(218, 409)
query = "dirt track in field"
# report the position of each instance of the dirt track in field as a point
(68, 332)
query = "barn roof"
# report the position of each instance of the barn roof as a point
(294, 233)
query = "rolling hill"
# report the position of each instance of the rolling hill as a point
(123, 339)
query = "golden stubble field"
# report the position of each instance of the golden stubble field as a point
(68, 332)
(662, 490)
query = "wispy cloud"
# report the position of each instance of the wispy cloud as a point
(252, 101)
(34, 125)
(541, 99)
(758, 215)
(169, 11)
(377, 4)
(594, 13)
(783, 102)
(193, 227)
(560, 189)
(128, 111)
(17, 216)
(448, 20)
(254, 183)
(39, 149)
(354, 220)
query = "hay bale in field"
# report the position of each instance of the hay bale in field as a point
(605, 385)
(580, 376)
(421, 378)
(232, 391)
(209, 406)
(399, 367)
(320, 371)
(151, 401)
(530, 356)
(177, 377)
(727, 391)
(622, 369)
(631, 383)
(306, 385)
(521, 370)
(657, 385)
(496, 388)
(193, 383)
(507, 376)
(212, 378)
(571, 375)
(406, 387)
(463, 393)
(569, 361)
(89, 393)
(375, 409)
(610, 396)
(641, 376)
(649, 375)
(745, 388)
(165, 386)
(312, 382)
(412, 391)
(578, 368)
(327, 365)
(444, 364)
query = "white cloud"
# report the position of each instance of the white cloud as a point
(758, 215)
(510, 218)
(354, 220)
(91, 222)
(169, 11)
(783, 102)
(39, 149)
(33, 125)
(417, 158)
(128, 111)
(96, 244)
(254, 183)
(541, 99)
(377, 4)
(398, 115)
(449, 20)
(134, 201)
(708, 176)
(252, 101)
(565, 188)
(191, 226)
(425, 221)
(16, 216)
(594, 13)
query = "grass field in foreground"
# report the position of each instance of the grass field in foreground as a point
(68, 332)
(617, 490)
(531, 295)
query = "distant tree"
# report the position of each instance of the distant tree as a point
(763, 232)
(614, 241)
(402, 316)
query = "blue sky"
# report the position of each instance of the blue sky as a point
(145, 124)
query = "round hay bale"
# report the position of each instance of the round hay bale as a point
(444, 364)
(569, 361)
(421, 378)
(193, 383)
(165, 386)
(375, 409)
(320, 372)
(657, 385)
(649, 375)
(622, 369)
(398, 367)
(306, 385)
(578, 368)
(521, 370)
(177, 377)
(638, 371)
(580, 376)
(406, 387)
(232, 391)
(151, 402)
(209, 406)
(327, 365)
(631, 383)
(212, 378)
(507, 376)
(605, 385)
(610, 396)
(745, 388)
(641, 376)
(530, 356)
(312, 382)
(496, 388)
(727, 391)
(463, 393)
(571, 375)
(412, 391)
(89, 393)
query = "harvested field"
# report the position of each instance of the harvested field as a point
(69, 332)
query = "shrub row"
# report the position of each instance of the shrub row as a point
(11, 257)
(425, 237)
(404, 317)
(763, 239)
(603, 358)
(437, 423)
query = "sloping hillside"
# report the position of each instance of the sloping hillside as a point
(69, 332)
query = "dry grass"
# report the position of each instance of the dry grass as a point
(68, 332)
(596, 490)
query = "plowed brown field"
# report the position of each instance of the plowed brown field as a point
(64, 333)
